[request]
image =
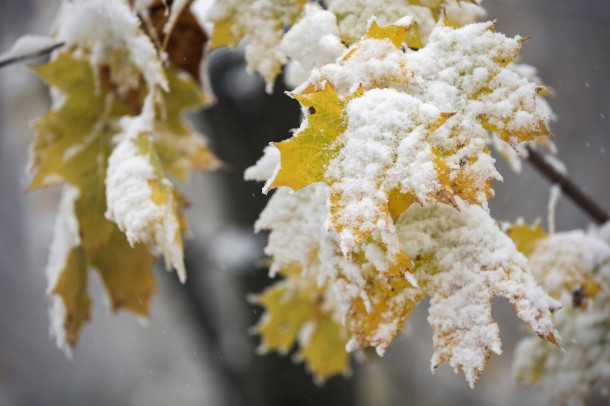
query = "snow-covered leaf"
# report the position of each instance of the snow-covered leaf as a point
(575, 267)
(384, 123)
(261, 23)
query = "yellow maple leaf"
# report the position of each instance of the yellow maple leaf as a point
(463, 260)
(305, 156)
(71, 287)
(73, 144)
(574, 267)
(526, 237)
(357, 142)
(379, 313)
(295, 311)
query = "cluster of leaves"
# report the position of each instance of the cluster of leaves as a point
(382, 191)
(574, 267)
(263, 23)
(114, 136)
(382, 195)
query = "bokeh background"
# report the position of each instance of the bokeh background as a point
(195, 349)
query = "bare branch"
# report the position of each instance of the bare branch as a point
(568, 186)
(24, 57)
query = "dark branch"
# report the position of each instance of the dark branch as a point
(568, 187)
(25, 57)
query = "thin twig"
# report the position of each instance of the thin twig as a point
(25, 57)
(568, 186)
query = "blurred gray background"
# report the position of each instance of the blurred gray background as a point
(195, 349)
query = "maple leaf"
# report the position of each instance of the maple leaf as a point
(180, 148)
(463, 260)
(261, 22)
(413, 127)
(141, 200)
(575, 267)
(562, 263)
(73, 144)
(296, 311)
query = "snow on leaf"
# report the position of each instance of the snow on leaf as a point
(378, 312)
(462, 261)
(565, 262)
(574, 266)
(296, 311)
(305, 156)
(72, 145)
(311, 42)
(67, 276)
(141, 200)
(261, 23)
(413, 125)
(109, 34)
(354, 15)
(369, 291)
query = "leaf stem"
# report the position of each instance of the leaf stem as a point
(568, 186)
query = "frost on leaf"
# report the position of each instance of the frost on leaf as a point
(386, 126)
(100, 81)
(109, 34)
(297, 310)
(353, 15)
(72, 145)
(369, 289)
(462, 260)
(261, 23)
(574, 267)
(313, 41)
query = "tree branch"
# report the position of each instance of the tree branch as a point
(568, 186)
(24, 57)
